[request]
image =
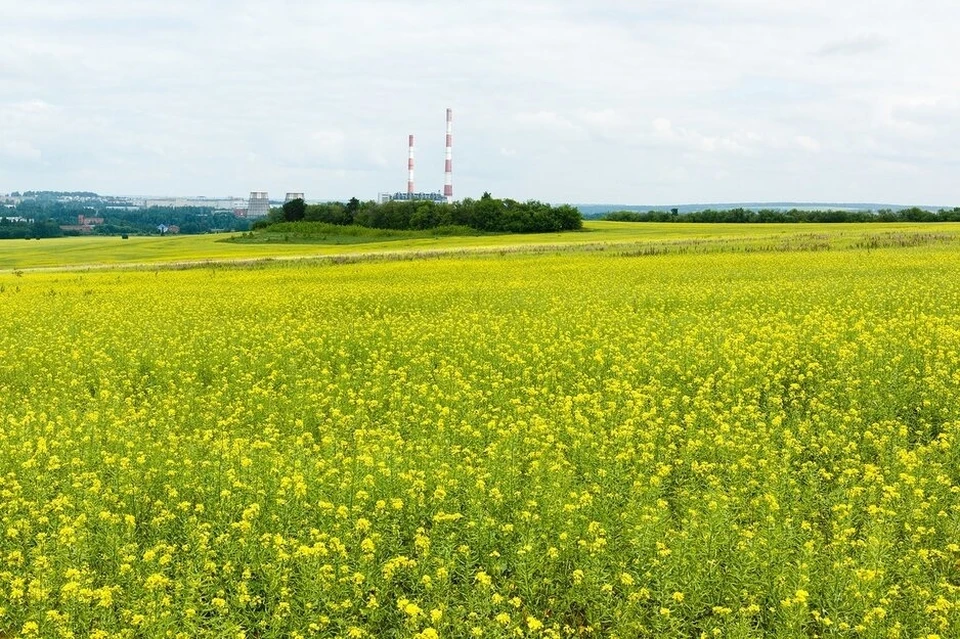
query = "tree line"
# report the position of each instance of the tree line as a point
(191, 220)
(487, 214)
(10, 230)
(49, 215)
(56, 194)
(775, 216)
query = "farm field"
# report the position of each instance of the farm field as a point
(99, 252)
(751, 433)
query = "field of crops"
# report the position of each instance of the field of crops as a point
(571, 444)
(98, 252)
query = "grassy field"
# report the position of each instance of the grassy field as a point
(743, 433)
(101, 251)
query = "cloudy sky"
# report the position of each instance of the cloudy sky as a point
(627, 101)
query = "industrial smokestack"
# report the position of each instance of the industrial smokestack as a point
(410, 168)
(448, 165)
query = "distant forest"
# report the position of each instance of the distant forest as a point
(48, 215)
(774, 216)
(488, 214)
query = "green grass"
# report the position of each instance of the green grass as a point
(105, 251)
(321, 233)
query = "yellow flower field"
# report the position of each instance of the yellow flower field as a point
(572, 445)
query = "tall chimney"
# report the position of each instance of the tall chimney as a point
(448, 165)
(410, 168)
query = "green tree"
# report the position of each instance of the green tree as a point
(294, 210)
(487, 214)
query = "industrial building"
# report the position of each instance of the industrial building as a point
(412, 194)
(259, 204)
(227, 203)
(411, 197)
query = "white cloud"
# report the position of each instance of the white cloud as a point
(856, 45)
(589, 100)
(20, 151)
(736, 142)
(807, 143)
(328, 144)
(551, 123)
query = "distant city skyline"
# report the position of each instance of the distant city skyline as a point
(565, 101)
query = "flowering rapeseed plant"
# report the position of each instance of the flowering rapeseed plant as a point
(562, 446)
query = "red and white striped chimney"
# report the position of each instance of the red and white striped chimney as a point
(448, 165)
(410, 167)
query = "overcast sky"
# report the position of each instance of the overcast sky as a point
(627, 101)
